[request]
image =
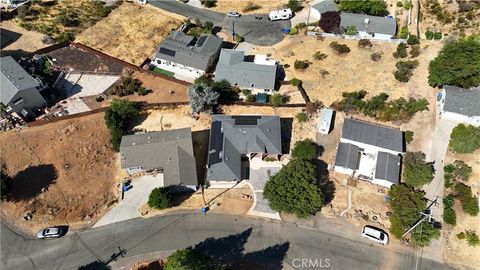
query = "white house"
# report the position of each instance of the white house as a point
(370, 152)
(187, 55)
(459, 104)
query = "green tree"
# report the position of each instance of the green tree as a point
(416, 171)
(277, 100)
(160, 198)
(301, 117)
(351, 30)
(304, 149)
(116, 118)
(294, 5)
(207, 27)
(465, 139)
(449, 215)
(370, 7)
(294, 189)
(401, 51)
(412, 40)
(406, 205)
(409, 136)
(468, 201)
(189, 259)
(458, 64)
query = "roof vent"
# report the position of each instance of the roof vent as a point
(226, 158)
(133, 143)
(149, 137)
(366, 21)
(268, 130)
(169, 158)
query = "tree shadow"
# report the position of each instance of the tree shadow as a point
(30, 182)
(96, 265)
(200, 150)
(230, 251)
(286, 130)
(8, 37)
(326, 185)
(137, 120)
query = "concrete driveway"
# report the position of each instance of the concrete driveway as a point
(261, 32)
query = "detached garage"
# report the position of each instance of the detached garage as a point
(461, 105)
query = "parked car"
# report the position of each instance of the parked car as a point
(233, 14)
(280, 14)
(142, 2)
(375, 234)
(51, 232)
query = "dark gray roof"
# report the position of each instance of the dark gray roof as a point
(170, 150)
(348, 156)
(325, 6)
(462, 101)
(233, 68)
(380, 25)
(368, 133)
(181, 48)
(233, 136)
(13, 79)
(388, 167)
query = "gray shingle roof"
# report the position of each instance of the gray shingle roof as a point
(325, 6)
(388, 167)
(183, 49)
(380, 25)
(368, 133)
(170, 150)
(462, 101)
(348, 156)
(13, 79)
(234, 136)
(233, 68)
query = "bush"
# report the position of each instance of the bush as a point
(312, 108)
(415, 51)
(412, 40)
(461, 235)
(399, 4)
(408, 136)
(160, 198)
(301, 25)
(457, 64)
(189, 259)
(407, 5)
(376, 56)
(330, 22)
(207, 27)
(472, 238)
(301, 64)
(301, 117)
(127, 85)
(429, 35)
(251, 6)
(99, 99)
(401, 51)
(465, 139)
(468, 201)
(294, 5)
(203, 98)
(305, 149)
(142, 91)
(370, 7)
(403, 34)
(208, 3)
(277, 100)
(239, 38)
(405, 70)
(351, 30)
(246, 92)
(339, 48)
(293, 31)
(365, 43)
(319, 55)
(295, 82)
(437, 36)
(116, 118)
(416, 171)
(449, 216)
(250, 98)
(458, 171)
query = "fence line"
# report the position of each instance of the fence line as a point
(355, 37)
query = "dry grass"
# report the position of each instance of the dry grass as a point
(29, 41)
(131, 32)
(239, 5)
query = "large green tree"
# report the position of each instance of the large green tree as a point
(465, 139)
(416, 171)
(370, 7)
(304, 149)
(406, 205)
(457, 64)
(116, 117)
(189, 259)
(294, 189)
(160, 198)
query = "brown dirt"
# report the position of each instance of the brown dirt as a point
(29, 41)
(161, 89)
(171, 118)
(131, 32)
(238, 5)
(72, 159)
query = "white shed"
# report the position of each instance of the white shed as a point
(459, 104)
(325, 124)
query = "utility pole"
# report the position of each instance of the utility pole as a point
(308, 19)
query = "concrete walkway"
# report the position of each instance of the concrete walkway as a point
(133, 200)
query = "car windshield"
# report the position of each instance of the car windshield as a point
(382, 236)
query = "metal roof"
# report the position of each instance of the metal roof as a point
(371, 134)
(234, 136)
(181, 48)
(232, 67)
(376, 24)
(170, 150)
(388, 167)
(13, 79)
(462, 101)
(348, 156)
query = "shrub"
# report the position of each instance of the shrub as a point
(412, 40)
(293, 31)
(351, 30)
(319, 55)
(472, 238)
(416, 171)
(449, 216)
(301, 25)
(370, 7)
(22, 11)
(203, 98)
(294, 5)
(415, 51)
(160, 198)
(251, 6)
(295, 82)
(301, 117)
(312, 108)
(376, 56)
(437, 36)
(407, 5)
(190, 259)
(461, 235)
(458, 171)
(99, 99)
(207, 27)
(339, 48)
(239, 38)
(465, 139)
(399, 4)
(405, 70)
(401, 51)
(429, 35)
(409, 136)
(250, 98)
(330, 22)
(277, 100)
(116, 118)
(403, 34)
(468, 201)
(208, 3)
(142, 91)
(365, 43)
(246, 92)
(301, 64)
(304, 149)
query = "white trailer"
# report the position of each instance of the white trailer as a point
(280, 14)
(325, 123)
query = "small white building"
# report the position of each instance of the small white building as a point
(370, 152)
(280, 14)
(325, 124)
(459, 104)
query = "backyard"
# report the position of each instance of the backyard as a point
(264, 6)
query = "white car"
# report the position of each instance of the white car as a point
(233, 14)
(51, 232)
(375, 234)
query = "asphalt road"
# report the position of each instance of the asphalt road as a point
(274, 244)
(261, 32)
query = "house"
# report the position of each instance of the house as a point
(187, 55)
(370, 152)
(169, 152)
(235, 140)
(259, 75)
(459, 104)
(19, 90)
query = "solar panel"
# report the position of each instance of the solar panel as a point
(246, 120)
(216, 143)
(167, 52)
(201, 41)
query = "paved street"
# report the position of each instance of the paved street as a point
(261, 32)
(257, 240)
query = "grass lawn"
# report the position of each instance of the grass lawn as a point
(163, 72)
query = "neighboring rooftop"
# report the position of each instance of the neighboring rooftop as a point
(369, 24)
(13, 79)
(234, 136)
(348, 156)
(170, 150)
(388, 167)
(462, 101)
(371, 134)
(326, 6)
(187, 50)
(233, 68)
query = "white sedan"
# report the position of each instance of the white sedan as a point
(233, 14)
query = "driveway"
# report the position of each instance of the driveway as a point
(260, 32)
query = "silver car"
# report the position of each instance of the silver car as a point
(233, 14)
(50, 232)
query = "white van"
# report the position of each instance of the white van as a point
(375, 234)
(325, 123)
(280, 14)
